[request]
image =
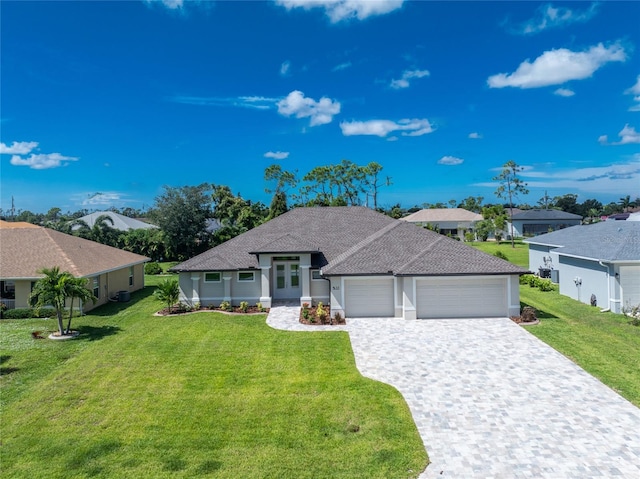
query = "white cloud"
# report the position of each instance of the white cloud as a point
(564, 92)
(622, 177)
(285, 68)
(339, 10)
(628, 135)
(277, 155)
(96, 199)
(407, 75)
(342, 66)
(320, 112)
(548, 16)
(170, 4)
(253, 102)
(475, 135)
(555, 67)
(450, 161)
(18, 148)
(381, 128)
(634, 90)
(42, 161)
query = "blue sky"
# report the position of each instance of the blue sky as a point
(103, 103)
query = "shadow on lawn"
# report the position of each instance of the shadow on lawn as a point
(4, 370)
(95, 333)
(540, 313)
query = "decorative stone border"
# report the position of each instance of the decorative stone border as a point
(64, 337)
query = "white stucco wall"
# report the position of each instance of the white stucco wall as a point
(592, 279)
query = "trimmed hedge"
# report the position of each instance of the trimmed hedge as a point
(152, 268)
(27, 313)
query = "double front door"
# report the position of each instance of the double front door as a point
(286, 280)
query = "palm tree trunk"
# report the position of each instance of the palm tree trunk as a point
(70, 316)
(60, 323)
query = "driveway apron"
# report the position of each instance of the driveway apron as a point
(490, 400)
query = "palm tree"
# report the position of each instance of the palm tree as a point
(50, 291)
(168, 292)
(77, 288)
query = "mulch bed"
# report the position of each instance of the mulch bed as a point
(175, 310)
(311, 317)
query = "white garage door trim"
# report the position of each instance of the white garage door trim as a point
(369, 297)
(462, 297)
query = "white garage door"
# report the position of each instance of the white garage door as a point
(369, 298)
(481, 297)
(630, 284)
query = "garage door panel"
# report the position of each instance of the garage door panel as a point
(369, 298)
(461, 298)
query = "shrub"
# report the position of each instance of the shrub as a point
(545, 285)
(27, 313)
(321, 313)
(634, 313)
(305, 313)
(244, 306)
(260, 307)
(305, 305)
(528, 314)
(501, 255)
(152, 268)
(225, 306)
(468, 237)
(337, 318)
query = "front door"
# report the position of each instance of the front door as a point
(287, 280)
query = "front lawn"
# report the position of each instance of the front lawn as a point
(204, 394)
(604, 344)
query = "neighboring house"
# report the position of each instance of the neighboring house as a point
(601, 259)
(362, 263)
(448, 221)
(535, 222)
(120, 222)
(25, 249)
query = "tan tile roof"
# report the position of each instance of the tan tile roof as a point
(433, 215)
(26, 249)
(16, 224)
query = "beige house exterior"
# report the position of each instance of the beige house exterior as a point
(448, 221)
(25, 249)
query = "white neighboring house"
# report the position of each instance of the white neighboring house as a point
(362, 263)
(602, 259)
(448, 221)
(120, 222)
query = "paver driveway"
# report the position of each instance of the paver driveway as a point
(492, 401)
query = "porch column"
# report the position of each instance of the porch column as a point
(306, 284)
(195, 290)
(409, 298)
(226, 277)
(265, 297)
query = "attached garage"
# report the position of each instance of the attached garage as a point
(462, 297)
(369, 297)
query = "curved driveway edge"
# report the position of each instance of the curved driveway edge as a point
(490, 400)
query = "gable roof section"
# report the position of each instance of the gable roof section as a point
(545, 215)
(610, 241)
(432, 215)
(26, 250)
(352, 241)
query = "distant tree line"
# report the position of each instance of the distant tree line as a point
(192, 219)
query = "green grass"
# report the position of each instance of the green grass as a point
(604, 344)
(204, 394)
(518, 255)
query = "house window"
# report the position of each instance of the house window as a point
(130, 275)
(212, 277)
(96, 287)
(246, 276)
(315, 275)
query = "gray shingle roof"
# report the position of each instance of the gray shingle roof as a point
(351, 241)
(609, 241)
(545, 215)
(27, 248)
